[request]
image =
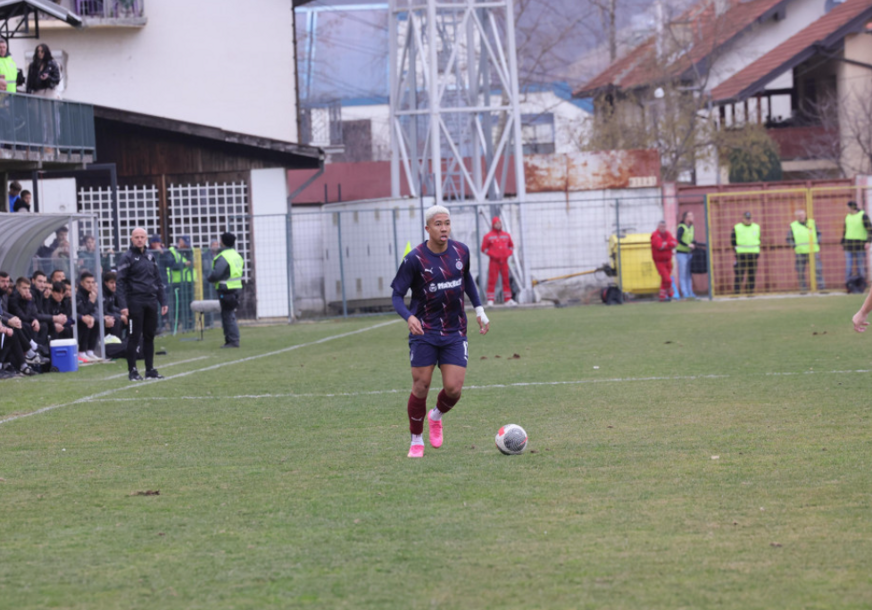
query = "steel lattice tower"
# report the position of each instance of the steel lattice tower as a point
(454, 102)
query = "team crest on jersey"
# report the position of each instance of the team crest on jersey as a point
(432, 287)
(458, 264)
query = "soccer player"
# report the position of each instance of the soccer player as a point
(437, 271)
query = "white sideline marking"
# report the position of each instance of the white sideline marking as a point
(163, 366)
(469, 387)
(186, 373)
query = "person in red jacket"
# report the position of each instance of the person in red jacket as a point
(498, 246)
(662, 245)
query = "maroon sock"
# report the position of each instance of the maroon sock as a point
(417, 409)
(444, 403)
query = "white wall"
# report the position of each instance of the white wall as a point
(566, 233)
(761, 39)
(269, 206)
(221, 63)
(570, 122)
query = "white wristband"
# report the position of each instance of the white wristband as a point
(479, 313)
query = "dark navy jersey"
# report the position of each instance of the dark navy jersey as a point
(438, 282)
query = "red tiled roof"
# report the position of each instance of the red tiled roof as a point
(826, 32)
(639, 67)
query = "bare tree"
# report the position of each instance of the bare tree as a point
(672, 112)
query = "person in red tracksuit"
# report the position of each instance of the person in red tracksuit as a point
(662, 245)
(498, 246)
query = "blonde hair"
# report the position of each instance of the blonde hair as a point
(433, 210)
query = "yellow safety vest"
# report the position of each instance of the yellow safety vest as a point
(803, 236)
(186, 274)
(234, 282)
(747, 238)
(10, 71)
(854, 227)
(686, 238)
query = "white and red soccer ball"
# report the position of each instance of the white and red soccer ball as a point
(511, 439)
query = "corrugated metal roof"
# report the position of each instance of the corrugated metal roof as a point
(22, 234)
(826, 32)
(641, 67)
(9, 9)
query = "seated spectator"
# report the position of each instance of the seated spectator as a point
(21, 305)
(87, 260)
(61, 256)
(14, 194)
(5, 289)
(60, 308)
(41, 290)
(22, 204)
(30, 355)
(46, 251)
(58, 275)
(12, 359)
(86, 317)
(113, 321)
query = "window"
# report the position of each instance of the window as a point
(537, 133)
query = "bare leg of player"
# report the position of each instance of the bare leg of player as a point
(452, 385)
(417, 407)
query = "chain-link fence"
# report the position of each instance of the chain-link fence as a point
(340, 259)
(787, 241)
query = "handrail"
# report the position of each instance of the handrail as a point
(46, 126)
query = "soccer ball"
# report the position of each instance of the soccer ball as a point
(511, 439)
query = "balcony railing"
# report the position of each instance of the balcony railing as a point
(108, 12)
(34, 128)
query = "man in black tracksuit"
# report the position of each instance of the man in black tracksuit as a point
(141, 297)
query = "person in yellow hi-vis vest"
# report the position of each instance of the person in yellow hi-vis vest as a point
(805, 238)
(227, 276)
(181, 277)
(856, 239)
(746, 240)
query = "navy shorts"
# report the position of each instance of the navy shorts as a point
(426, 353)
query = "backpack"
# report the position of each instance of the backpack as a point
(611, 295)
(856, 285)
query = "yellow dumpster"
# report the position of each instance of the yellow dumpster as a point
(635, 267)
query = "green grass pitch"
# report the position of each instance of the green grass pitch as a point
(690, 455)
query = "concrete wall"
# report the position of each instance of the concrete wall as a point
(269, 206)
(215, 62)
(565, 233)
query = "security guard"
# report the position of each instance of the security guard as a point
(140, 293)
(227, 277)
(805, 238)
(746, 240)
(181, 276)
(856, 238)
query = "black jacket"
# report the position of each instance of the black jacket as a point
(110, 302)
(84, 306)
(139, 278)
(64, 307)
(24, 309)
(35, 83)
(41, 305)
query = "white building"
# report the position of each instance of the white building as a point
(220, 63)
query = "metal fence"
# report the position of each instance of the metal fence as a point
(802, 246)
(340, 259)
(46, 126)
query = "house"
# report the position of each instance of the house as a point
(195, 129)
(825, 71)
(688, 58)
